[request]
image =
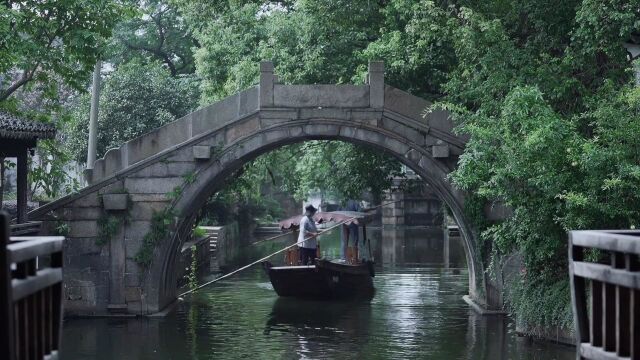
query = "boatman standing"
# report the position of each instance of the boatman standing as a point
(307, 237)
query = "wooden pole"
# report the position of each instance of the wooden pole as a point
(93, 116)
(6, 299)
(23, 186)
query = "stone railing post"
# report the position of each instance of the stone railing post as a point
(376, 84)
(266, 84)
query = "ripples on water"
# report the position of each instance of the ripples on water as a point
(417, 313)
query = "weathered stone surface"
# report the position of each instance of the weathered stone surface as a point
(133, 267)
(132, 294)
(166, 169)
(369, 117)
(322, 130)
(114, 201)
(81, 246)
(202, 152)
(145, 210)
(275, 135)
(149, 197)
(134, 233)
(305, 96)
(83, 229)
(403, 130)
(84, 213)
(98, 171)
(88, 200)
(249, 101)
(279, 114)
(324, 113)
(295, 131)
(266, 84)
(132, 279)
(243, 129)
(440, 151)
(85, 294)
(376, 84)
(113, 162)
(158, 140)
(248, 146)
(93, 262)
(152, 185)
(114, 187)
(216, 115)
(440, 120)
(413, 155)
(404, 103)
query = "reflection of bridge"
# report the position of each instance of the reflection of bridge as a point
(162, 178)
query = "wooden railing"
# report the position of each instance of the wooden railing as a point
(31, 300)
(30, 228)
(606, 293)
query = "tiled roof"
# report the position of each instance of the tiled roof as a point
(12, 127)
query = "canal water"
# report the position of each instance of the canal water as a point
(417, 313)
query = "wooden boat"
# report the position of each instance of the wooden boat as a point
(326, 279)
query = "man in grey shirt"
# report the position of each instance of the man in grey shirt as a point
(307, 242)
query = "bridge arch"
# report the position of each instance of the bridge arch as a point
(211, 143)
(238, 153)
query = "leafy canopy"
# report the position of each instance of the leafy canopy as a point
(43, 39)
(135, 99)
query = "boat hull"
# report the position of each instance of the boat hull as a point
(325, 280)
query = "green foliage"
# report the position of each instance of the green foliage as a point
(108, 226)
(161, 222)
(135, 99)
(192, 274)
(48, 41)
(199, 232)
(550, 107)
(61, 228)
(174, 193)
(190, 177)
(337, 169)
(48, 173)
(543, 88)
(156, 33)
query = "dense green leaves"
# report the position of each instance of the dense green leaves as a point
(40, 39)
(156, 33)
(135, 99)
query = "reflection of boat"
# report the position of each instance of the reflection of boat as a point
(348, 316)
(326, 279)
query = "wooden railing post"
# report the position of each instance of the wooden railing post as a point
(610, 329)
(6, 300)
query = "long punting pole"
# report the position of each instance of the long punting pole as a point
(259, 260)
(272, 254)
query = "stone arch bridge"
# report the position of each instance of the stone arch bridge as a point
(118, 258)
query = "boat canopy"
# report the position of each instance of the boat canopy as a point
(348, 217)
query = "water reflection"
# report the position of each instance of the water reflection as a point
(311, 325)
(417, 313)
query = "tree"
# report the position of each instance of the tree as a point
(335, 168)
(547, 96)
(544, 88)
(157, 33)
(43, 39)
(135, 99)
